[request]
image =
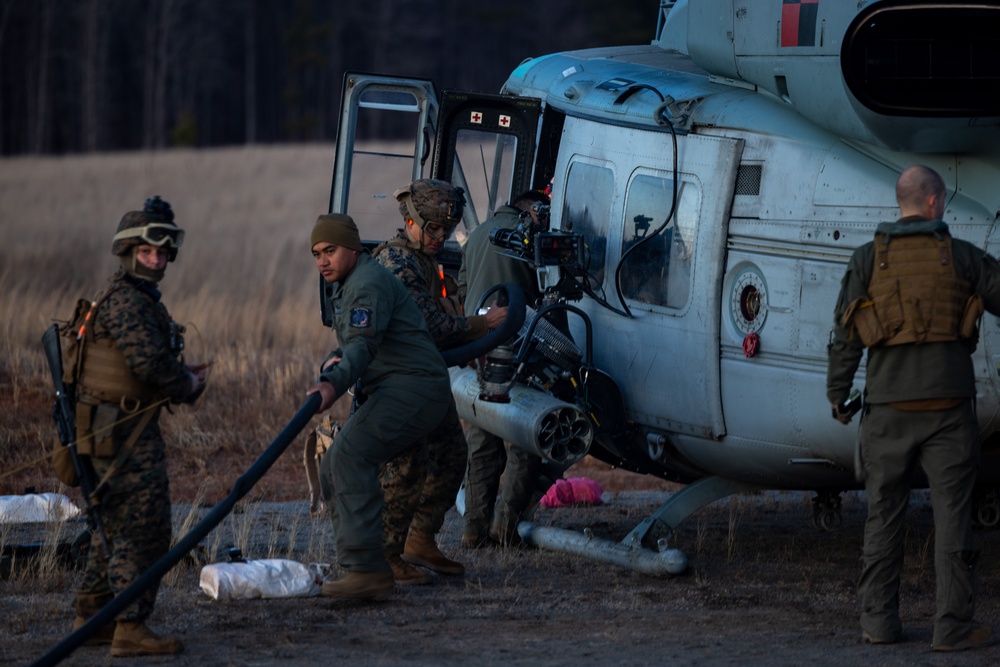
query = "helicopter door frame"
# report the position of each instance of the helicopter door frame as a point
(387, 93)
(466, 114)
(510, 124)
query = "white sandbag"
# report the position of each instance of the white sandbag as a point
(36, 508)
(267, 578)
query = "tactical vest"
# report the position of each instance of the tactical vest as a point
(97, 368)
(916, 296)
(443, 289)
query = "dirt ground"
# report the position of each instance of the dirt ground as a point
(763, 586)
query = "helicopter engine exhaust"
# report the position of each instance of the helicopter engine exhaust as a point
(634, 557)
(535, 421)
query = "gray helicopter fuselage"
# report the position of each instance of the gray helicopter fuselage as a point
(780, 175)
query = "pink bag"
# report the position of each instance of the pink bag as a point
(573, 491)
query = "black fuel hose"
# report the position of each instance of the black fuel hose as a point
(195, 535)
(516, 304)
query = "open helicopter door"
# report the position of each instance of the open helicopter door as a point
(486, 146)
(369, 165)
(386, 133)
(483, 143)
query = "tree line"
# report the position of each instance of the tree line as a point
(109, 75)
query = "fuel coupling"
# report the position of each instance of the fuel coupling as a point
(497, 375)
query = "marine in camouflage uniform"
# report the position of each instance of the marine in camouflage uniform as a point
(131, 323)
(383, 342)
(913, 297)
(487, 515)
(421, 484)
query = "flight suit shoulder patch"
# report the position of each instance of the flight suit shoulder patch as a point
(361, 317)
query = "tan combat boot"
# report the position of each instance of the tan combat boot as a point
(421, 549)
(405, 574)
(978, 637)
(134, 638)
(475, 539)
(102, 637)
(360, 586)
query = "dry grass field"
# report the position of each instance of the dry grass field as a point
(764, 586)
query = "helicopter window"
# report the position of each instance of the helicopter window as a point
(658, 271)
(377, 166)
(483, 187)
(587, 209)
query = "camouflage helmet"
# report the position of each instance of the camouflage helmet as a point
(431, 200)
(153, 225)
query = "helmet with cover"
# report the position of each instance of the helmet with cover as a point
(429, 200)
(153, 225)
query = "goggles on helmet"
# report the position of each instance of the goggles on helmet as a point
(437, 230)
(155, 233)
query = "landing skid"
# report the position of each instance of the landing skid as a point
(636, 551)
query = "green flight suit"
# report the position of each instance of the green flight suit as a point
(483, 266)
(383, 341)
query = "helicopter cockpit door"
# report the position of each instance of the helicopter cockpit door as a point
(486, 145)
(386, 133)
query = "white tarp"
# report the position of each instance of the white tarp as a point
(36, 508)
(267, 578)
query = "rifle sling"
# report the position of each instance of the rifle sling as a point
(124, 451)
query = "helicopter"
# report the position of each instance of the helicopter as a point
(708, 189)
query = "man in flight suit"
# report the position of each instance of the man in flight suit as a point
(383, 341)
(913, 297)
(483, 266)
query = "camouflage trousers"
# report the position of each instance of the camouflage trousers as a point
(420, 484)
(135, 512)
(489, 458)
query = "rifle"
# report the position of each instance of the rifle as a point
(64, 415)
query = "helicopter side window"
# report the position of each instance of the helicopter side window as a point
(658, 271)
(473, 151)
(586, 211)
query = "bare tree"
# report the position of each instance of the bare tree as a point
(4, 19)
(163, 71)
(250, 72)
(94, 45)
(40, 133)
(149, 75)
